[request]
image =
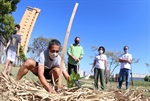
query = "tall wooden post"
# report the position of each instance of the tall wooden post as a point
(65, 44)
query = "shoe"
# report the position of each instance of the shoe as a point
(119, 88)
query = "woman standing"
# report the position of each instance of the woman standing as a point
(100, 67)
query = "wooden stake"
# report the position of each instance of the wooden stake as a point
(65, 44)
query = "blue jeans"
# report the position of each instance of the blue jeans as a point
(123, 72)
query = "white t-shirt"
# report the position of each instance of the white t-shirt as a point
(49, 63)
(125, 57)
(100, 61)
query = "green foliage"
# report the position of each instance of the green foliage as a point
(8, 6)
(147, 78)
(141, 83)
(6, 20)
(73, 77)
(22, 55)
(6, 27)
(112, 79)
(91, 77)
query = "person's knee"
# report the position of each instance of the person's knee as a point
(55, 71)
(29, 64)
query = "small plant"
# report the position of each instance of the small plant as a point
(73, 78)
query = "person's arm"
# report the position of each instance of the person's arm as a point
(8, 44)
(82, 54)
(66, 75)
(43, 80)
(106, 66)
(93, 65)
(18, 50)
(69, 52)
(125, 60)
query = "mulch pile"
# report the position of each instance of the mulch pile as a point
(23, 90)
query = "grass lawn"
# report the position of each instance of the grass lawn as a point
(14, 71)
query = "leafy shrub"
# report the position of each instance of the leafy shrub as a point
(147, 78)
(73, 77)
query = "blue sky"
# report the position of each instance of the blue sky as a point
(109, 23)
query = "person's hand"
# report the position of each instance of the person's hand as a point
(77, 60)
(129, 61)
(52, 91)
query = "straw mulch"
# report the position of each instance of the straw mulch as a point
(12, 90)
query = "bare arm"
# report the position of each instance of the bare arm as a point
(106, 66)
(8, 44)
(81, 55)
(69, 52)
(127, 60)
(66, 75)
(43, 79)
(93, 65)
(71, 56)
(18, 51)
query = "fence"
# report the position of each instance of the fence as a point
(18, 61)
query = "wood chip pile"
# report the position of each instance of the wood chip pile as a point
(23, 90)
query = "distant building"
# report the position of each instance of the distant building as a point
(85, 73)
(27, 23)
(81, 73)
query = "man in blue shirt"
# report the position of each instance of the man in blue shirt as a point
(12, 46)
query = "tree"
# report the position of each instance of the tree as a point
(7, 27)
(6, 20)
(22, 55)
(148, 65)
(39, 44)
(147, 78)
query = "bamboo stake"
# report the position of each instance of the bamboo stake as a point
(65, 44)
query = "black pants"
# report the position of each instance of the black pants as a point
(46, 72)
(74, 67)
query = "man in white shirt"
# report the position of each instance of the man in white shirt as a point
(125, 59)
(47, 65)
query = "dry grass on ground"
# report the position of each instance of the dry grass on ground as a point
(32, 90)
(11, 90)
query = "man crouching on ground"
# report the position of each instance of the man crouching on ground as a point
(47, 65)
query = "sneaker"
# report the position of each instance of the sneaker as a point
(119, 88)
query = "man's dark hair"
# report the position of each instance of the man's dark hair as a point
(18, 26)
(76, 38)
(54, 42)
(125, 47)
(102, 48)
